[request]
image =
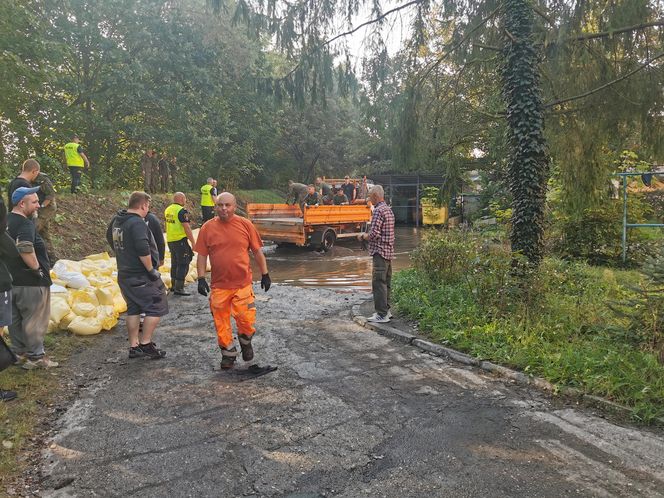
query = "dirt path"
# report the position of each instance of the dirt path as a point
(349, 413)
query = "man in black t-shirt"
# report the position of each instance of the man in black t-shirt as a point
(139, 280)
(349, 189)
(31, 296)
(29, 172)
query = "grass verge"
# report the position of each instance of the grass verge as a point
(559, 326)
(38, 391)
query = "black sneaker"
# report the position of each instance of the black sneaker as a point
(136, 352)
(150, 350)
(7, 395)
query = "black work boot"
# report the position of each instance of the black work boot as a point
(228, 358)
(247, 349)
(178, 288)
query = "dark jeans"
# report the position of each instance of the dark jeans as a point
(75, 173)
(381, 284)
(208, 212)
(181, 256)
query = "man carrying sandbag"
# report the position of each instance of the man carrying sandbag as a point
(178, 236)
(138, 278)
(31, 293)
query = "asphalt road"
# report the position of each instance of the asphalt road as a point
(348, 413)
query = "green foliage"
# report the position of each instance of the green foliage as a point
(644, 312)
(595, 234)
(554, 322)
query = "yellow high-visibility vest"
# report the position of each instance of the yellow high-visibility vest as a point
(174, 228)
(72, 156)
(206, 195)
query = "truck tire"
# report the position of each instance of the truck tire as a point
(328, 240)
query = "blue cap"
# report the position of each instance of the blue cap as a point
(21, 192)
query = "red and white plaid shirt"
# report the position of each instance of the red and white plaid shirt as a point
(381, 236)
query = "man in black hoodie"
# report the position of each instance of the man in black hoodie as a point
(138, 278)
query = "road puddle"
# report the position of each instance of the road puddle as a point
(345, 267)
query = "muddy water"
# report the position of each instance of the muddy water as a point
(346, 266)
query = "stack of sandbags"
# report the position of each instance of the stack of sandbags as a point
(90, 300)
(85, 296)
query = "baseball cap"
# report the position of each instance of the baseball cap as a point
(21, 192)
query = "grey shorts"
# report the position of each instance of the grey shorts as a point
(5, 308)
(144, 296)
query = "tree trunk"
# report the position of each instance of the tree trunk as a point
(528, 164)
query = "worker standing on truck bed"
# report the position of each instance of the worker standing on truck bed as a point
(226, 240)
(297, 193)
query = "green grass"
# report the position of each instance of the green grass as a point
(37, 390)
(260, 196)
(562, 330)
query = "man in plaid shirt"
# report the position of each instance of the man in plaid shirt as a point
(381, 248)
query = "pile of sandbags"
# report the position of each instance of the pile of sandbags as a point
(85, 296)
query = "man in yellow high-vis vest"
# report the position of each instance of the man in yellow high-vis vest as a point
(76, 161)
(207, 200)
(178, 236)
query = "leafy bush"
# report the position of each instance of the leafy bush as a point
(596, 235)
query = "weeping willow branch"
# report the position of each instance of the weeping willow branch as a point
(606, 85)
(350, 32)
(612, 32)
(463, 40)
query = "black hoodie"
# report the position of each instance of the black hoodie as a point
(7, 250)
(129, 236)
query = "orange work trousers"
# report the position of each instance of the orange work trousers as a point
(238, 303)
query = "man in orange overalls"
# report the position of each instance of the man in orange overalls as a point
(226, 240)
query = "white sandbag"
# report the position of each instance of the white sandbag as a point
(57, 289)
(66, 266)
(74, 279)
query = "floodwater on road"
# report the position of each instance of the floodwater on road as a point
(345, 266)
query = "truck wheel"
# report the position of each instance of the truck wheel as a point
(328, 240)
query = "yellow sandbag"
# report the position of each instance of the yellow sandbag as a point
(108, 317)
(59, 308)
(119, 304)
(85, 326)
(99, 280)
(104, 296)
(86, 295)
(191, 276)
(85, 309)
(66, 320)
(166, 278)
(100, 256)
(52, 326)
(88, 267)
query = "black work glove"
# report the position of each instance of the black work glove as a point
(203, 287)
(266, 282)
(154, 275)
